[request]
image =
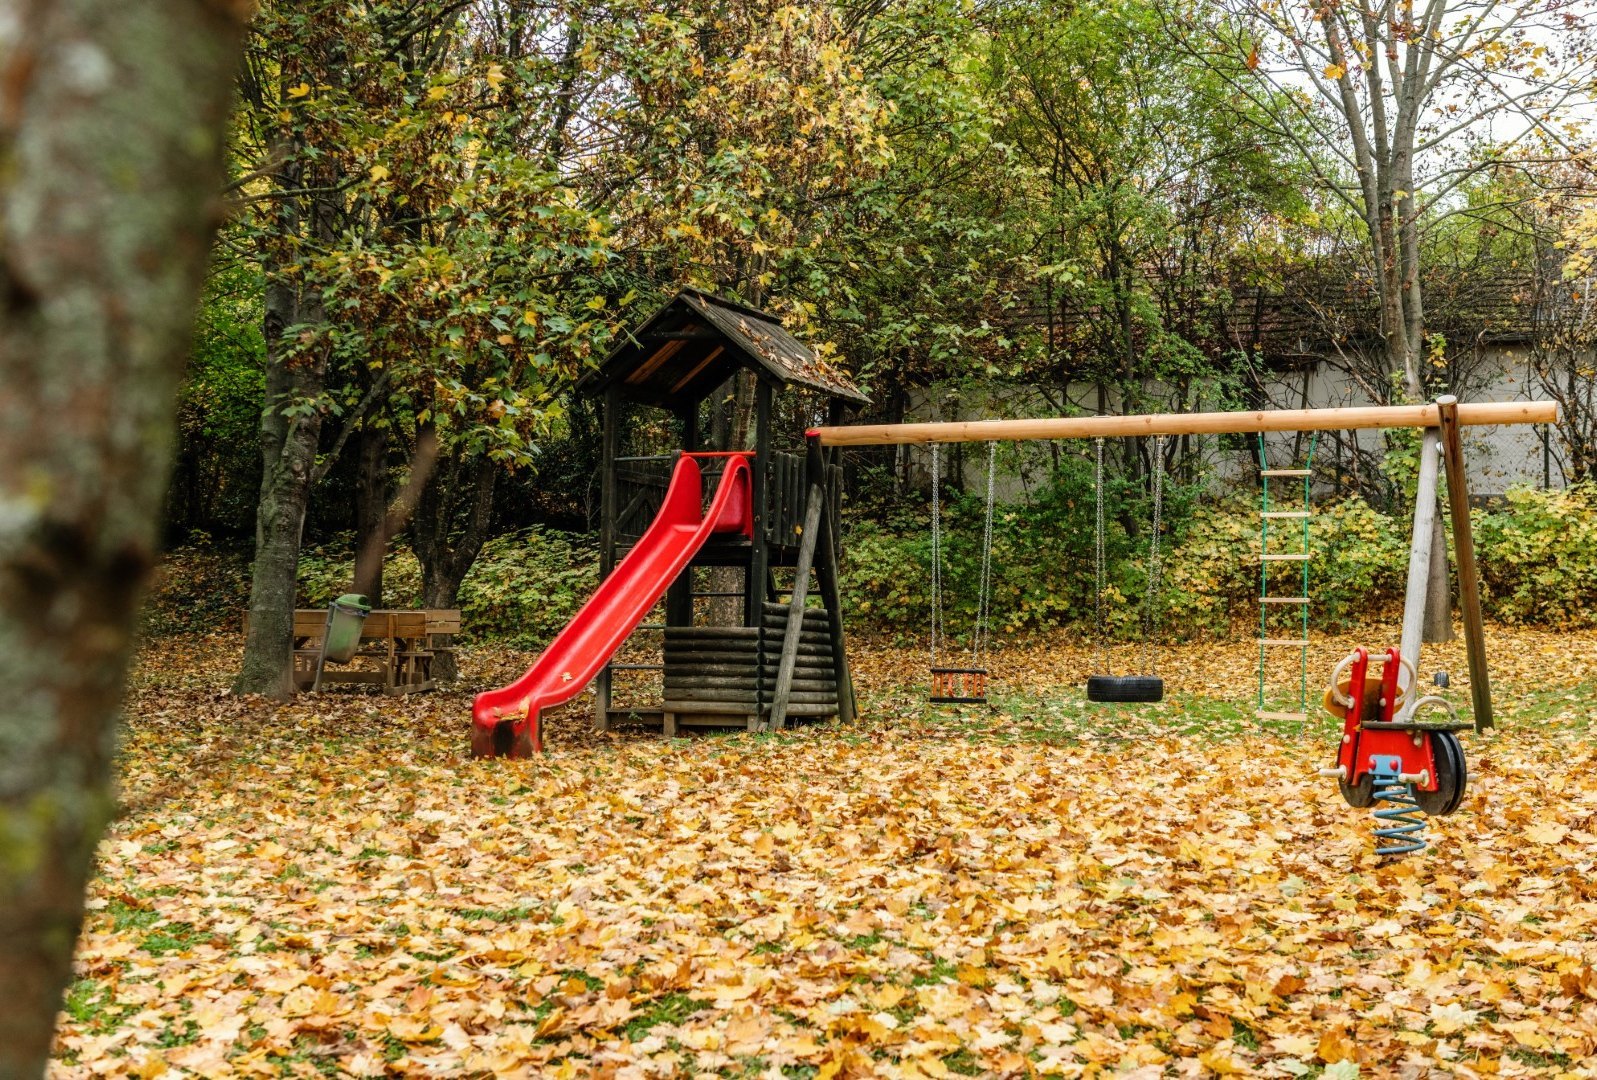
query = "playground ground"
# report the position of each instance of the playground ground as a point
(1039, 888)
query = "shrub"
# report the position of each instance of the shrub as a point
(1537, 554)
(522, 589)
(1538, 557)
(526, 585)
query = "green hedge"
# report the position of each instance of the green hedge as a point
(1537, 552)
(1538, 555)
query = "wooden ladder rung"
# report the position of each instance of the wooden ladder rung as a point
(1284, 514)
(1285, 599)
(1265, 714)
(1283, 641)
(1286, 472)
(1303, 557)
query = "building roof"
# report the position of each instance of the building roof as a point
(696, 341)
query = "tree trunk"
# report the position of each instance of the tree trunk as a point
(371, 512)
(111, 132)
(288, 456)
(448, 531)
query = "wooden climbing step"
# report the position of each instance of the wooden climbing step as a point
(1286, 472)
(1285, 599)
(1265, 714)
(1273, 514)
(1295, 642)
(1300, 557)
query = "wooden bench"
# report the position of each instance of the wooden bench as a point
(402, 642)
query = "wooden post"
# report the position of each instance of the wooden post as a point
(760, 552)
(826, 576)
(607, 532)
(1419, 557)
(1469, 585)
(795, 613)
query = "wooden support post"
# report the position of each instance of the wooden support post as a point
(826, 575)
(813, 507)
(760, 552)
(1469, 584)
(609, 450)
(1419, 557)
(679, 596)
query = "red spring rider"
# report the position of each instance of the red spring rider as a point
(1416, 767)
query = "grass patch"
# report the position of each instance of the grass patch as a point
(673, 1008)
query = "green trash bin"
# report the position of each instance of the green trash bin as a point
(341, 635)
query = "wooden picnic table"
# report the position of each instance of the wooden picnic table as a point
(403, 644)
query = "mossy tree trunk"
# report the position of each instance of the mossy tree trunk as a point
(112, 117)
(289, 434)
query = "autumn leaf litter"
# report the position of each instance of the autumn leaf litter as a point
(1040, 889)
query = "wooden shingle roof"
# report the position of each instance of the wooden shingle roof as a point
(696, 341)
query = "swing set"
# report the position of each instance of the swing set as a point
(1389, 756)
(968, 685)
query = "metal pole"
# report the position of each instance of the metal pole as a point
(1419, 559)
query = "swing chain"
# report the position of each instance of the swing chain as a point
(1098, 562)
(984, 603)
(937, 551)
(1150, 613)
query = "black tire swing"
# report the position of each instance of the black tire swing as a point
(962, 685)
(1128, 688)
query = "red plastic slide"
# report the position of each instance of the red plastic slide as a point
(507, 721)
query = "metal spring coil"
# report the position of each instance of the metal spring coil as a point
(1401, 826)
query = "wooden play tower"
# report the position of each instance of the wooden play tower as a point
(784, 656)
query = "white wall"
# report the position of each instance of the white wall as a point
(1498, 457)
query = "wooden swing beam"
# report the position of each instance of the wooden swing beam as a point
(1215, 423)
(1444, 419)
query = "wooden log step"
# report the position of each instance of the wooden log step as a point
(683, 707)
(712, 682)
(709, 656)
(776, 631)
(748, 645)
(813, 624)
(800, 674)
(711, 671)
(712, 631)
(774, 639)
(810, 674)
(818, 662)
(702, 694)
(799, 709)
(810, 642)
(701, 697)
(808, 686)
